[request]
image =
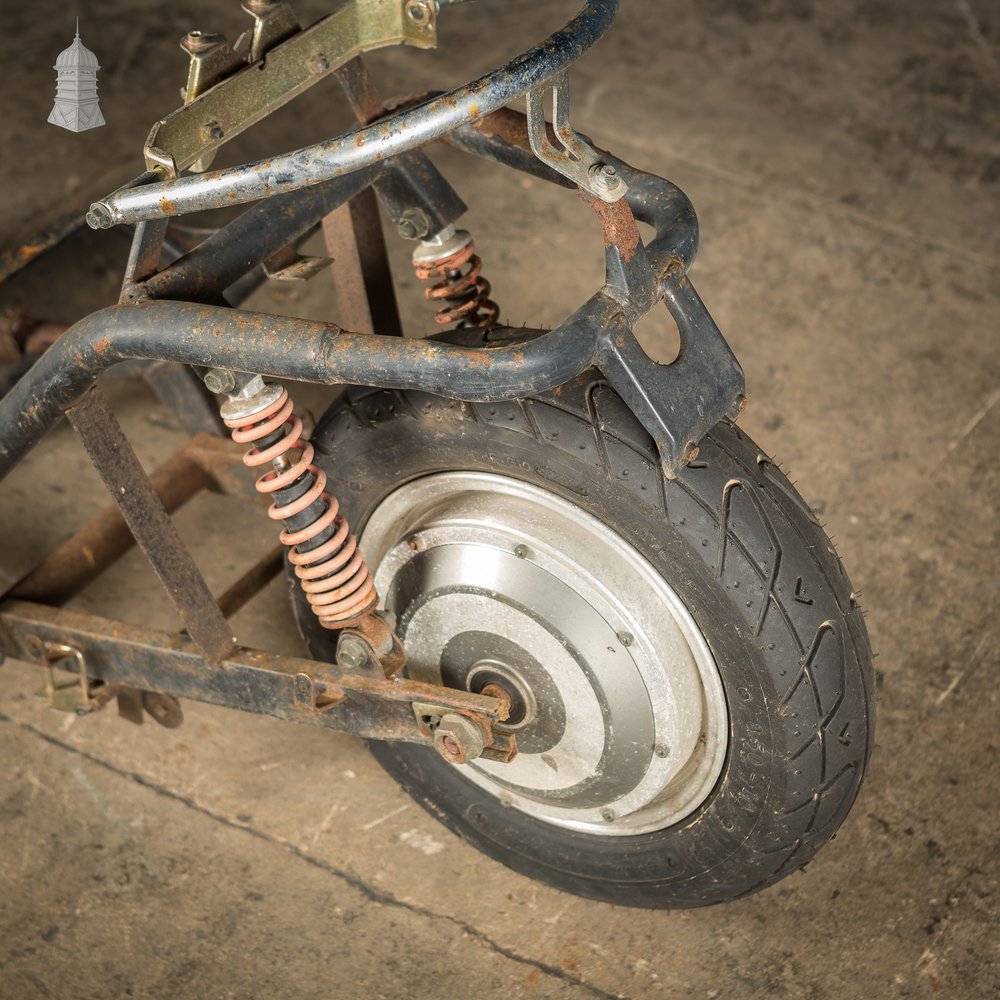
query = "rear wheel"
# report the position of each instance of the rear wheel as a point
(689, 672)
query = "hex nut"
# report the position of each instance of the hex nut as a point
(219, 380)
(458, 739)
(413, 224)
(351, 653)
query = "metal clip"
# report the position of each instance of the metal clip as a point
(70, 694)
(577, 159)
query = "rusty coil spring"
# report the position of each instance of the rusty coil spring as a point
(326, 557)
(466, 293)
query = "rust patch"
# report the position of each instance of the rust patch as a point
(167, 205)
(618, 225)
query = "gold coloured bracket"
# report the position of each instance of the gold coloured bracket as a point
(231, 88)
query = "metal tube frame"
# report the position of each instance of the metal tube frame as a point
(180, 314)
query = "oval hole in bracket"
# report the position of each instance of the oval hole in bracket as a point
(658, 335)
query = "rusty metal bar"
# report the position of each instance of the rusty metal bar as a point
(106, 537)
(366, 300)
(253, 581)
(150, 523)
(285, 687)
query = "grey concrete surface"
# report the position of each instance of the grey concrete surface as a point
(844, 158)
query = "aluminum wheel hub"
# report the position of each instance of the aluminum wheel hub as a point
(619, 712)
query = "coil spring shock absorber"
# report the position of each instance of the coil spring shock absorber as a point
(463, 291)
(326, 557)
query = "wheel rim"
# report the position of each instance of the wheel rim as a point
(618, 711)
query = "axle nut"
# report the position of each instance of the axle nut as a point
(458, 739)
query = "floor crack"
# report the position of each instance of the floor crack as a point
(368, 891)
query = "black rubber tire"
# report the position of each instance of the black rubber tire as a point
(743, 551)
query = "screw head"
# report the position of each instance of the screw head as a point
(213, 130)
(521, 551)
(661, 750)
(608, 815)
(219, 380)
(626, 638)
(319, 63)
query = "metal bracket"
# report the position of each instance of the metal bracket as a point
(230, 89)
(577, 159)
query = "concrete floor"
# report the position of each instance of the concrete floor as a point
(844, 158)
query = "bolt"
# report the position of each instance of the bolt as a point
(418, 11)
(413, 224)
(626, 638)
(458, 739)
(99, 216)
(608, 815)
(521, 551)
(415, 542)
(219, 380)
(604, 177)
(319, 64)
(351, 653)
(661, 750)
(213, 130)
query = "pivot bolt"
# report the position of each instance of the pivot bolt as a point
(413, 224)
(219, 380)
(458, 739)
(351, 653)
